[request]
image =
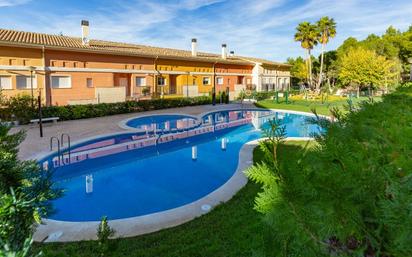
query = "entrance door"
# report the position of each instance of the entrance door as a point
(123, 82)
(172, 89)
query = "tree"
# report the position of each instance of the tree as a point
(348, 44)
(299, 70)
(308, 36)
(25, 191)
(364, 68)
(327, 28)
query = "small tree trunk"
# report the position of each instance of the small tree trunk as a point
(358, 93)
(310, 68)
(321, 68)
(307, 67)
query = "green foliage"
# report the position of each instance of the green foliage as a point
(16, 220)
(298, 71)
(308, 35)
(104, 232)
(347, 45)
(395, 46)
(363, 67)
(327, 28)
(267, 173)
(18, 108)
(350, 195)
(258, 96)
(222, 96)
(25, 192)
(24, 252)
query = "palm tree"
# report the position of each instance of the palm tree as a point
(308, 36)
(327, 29)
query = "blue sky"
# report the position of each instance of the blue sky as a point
(252, 28)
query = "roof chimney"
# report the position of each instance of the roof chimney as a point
(224, 51)
(232, 53)
(194, 47)
(85, 32)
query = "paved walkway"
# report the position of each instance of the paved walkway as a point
(33, 145)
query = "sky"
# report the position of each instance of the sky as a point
(262, 28)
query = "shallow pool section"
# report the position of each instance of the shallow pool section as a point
(151, 173)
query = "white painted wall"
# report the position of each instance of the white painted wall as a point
(111, 94)
(190, 91)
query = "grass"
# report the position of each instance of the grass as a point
(231, 229)
(308, 105)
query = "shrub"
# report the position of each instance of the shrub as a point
(25, 194)
(104, 232)
(351, 194)
(20, 107)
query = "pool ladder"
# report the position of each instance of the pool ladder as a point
(60, 145)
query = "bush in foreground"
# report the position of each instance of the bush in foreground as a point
(25, 192)
(350, 195)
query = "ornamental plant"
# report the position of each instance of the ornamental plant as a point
(25, 192)
(350, 194)
(104, 232)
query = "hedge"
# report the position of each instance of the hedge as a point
(74, 112)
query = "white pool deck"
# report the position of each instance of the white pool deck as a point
(60, 231)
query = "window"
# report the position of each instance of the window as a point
(5, 82)
(194, 82)
(219, 80)
(161, 81)
(89, 82)
(140, 81)
(61, 82)
(206, 80)
(24, 82)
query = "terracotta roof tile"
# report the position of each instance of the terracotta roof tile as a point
(60, 41)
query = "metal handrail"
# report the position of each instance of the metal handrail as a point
(58, 147)
(68, 146)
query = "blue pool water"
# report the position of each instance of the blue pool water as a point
(163, 176)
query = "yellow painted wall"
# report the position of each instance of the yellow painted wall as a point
(183, 79)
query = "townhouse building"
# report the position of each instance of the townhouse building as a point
(78, 70)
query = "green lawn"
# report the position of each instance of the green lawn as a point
(231, 229)
(308, 105)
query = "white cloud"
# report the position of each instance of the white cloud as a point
(7, 3)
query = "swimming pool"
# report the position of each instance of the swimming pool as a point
(141, 173)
